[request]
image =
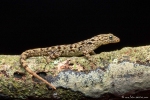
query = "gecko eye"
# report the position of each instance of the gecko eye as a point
(110, 37)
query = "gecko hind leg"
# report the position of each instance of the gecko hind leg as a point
(52, 55)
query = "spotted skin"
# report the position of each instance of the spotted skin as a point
(85, 47)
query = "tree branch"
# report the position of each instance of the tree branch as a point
(117, 72)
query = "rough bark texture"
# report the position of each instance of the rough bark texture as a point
(120, 72)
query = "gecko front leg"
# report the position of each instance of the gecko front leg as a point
(92, 53)
(90, 58)
(87, 53)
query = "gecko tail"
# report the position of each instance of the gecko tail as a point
(40, 78)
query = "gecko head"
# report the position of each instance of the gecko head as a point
(108, 38)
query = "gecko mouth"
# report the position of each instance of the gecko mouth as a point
(114, 41)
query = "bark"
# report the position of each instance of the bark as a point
(119, 72)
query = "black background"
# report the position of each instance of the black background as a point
(27, 24)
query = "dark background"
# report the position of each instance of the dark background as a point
(27, 24)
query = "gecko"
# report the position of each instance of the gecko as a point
(85, 47)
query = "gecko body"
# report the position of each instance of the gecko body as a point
(85, 47)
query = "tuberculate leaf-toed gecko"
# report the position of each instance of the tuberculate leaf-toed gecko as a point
(85, 47)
